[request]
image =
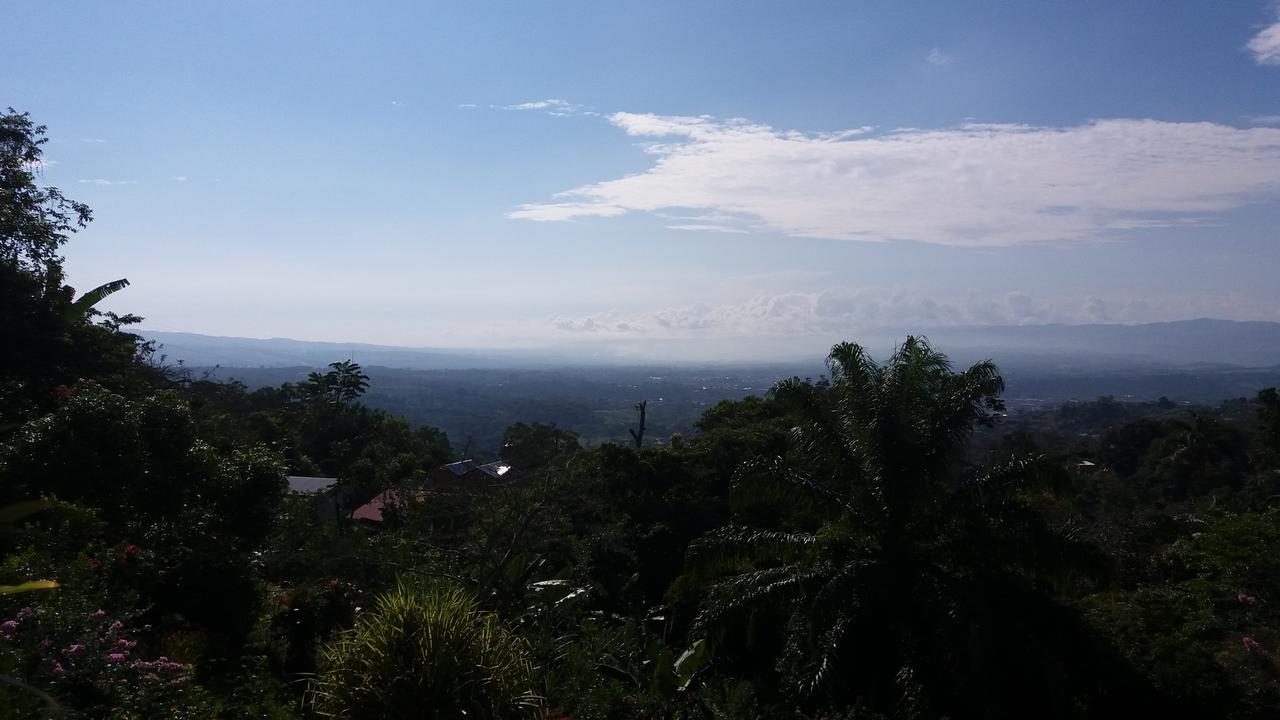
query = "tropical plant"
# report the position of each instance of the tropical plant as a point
(426, 651)
(904, 578)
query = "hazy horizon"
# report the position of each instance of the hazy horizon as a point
(722, 179)
(1179, 343)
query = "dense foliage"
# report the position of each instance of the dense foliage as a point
(881, 542)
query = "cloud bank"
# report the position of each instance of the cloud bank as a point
(842, 311)
(972, 185)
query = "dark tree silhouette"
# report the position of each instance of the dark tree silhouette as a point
(908, 581)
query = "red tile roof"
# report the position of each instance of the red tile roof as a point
(374, 510)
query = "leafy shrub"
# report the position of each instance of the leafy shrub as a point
(426, 651)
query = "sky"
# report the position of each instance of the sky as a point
(708, 178)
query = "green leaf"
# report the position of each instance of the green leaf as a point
(617, 673)
(690, 662)
(28, 586)
(81, 307)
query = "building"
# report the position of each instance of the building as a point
(464, 473)
(469, 471)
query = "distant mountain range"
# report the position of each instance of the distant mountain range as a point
(1167, 344)
(209, 350)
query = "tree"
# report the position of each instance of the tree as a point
(642, 407)
(1265, 452)
(905, 579)
(342, 385)
(47, 336)
(34, 221)
(531, 447)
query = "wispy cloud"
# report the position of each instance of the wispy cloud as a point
(706, 227)
(468, 106)
(552, 106)
(396, 103)
(975, 185)
(938, 58)
(105, 183)
(1269, 120)
(1265, 46)
(93, 140)
(178, 178)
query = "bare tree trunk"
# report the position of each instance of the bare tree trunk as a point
(639, 436)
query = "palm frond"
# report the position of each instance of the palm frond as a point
(755, 590)
(730, 548)
(777, 482)
(817, 434)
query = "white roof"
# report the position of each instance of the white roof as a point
(309, 485)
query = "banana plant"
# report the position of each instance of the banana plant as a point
(83, 306)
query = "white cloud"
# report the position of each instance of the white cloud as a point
(178, 178)
(1265, 46)
(93, 141)
(396, 103)
(938, 58)
(975, 185)
(106, 183)
(468, 106)
(1270, 120)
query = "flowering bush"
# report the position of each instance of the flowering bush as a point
(93, 662)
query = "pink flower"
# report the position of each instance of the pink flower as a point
(116, 657)
(95, 562)
(58, 670)
(24, 613)
(98, 614)
(75, 649)
(131, 549)
(161, 664)
(1250, 644)
(9, 628)
(1246, 599)
(116, 626)
(63, 391)
(126, 644)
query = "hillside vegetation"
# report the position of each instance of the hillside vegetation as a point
(878, 542)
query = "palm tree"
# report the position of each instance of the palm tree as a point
(905, 578)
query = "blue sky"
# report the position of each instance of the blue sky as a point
(702, 178)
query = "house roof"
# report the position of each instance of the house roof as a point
(460, 468)
(309, 485)
(375, 509)
(495, 469)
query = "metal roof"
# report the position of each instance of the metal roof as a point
(309, 485)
